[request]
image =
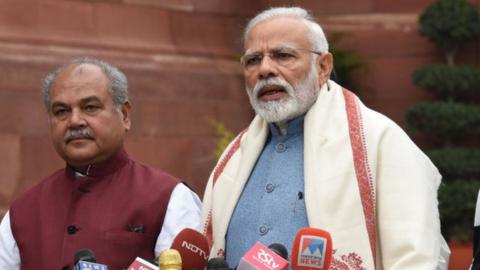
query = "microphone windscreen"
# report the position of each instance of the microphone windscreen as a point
(170, 259)
(193, 248)
(280, 250)
(85, 254)
(312, 249)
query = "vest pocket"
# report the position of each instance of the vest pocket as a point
(129, 245)
(128, 238)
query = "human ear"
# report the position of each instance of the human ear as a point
(126, 107)
(324, 64)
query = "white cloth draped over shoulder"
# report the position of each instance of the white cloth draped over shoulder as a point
(366, 183)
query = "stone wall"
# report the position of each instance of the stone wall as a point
(181, 58)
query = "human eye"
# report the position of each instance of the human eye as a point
(283, 56)
(91, 108)
(60, 112)
(252, 59)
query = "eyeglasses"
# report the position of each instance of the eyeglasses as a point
(284, 57)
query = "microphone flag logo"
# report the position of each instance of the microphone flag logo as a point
(261, 257)
(83, 265)
(312, 249)
(141, 264)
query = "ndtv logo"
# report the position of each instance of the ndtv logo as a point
(193, 248)
(266, 259)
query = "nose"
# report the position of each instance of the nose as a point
(77, 119)
(267, 68)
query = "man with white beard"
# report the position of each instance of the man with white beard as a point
(315, 156)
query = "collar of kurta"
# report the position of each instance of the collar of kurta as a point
(104, 168)
(293, 127)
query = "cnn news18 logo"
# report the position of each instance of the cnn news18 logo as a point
(312, 251)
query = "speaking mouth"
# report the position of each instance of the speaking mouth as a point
(271, 91)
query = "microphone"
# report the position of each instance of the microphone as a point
(259, 257)
(84, 255)
(170, 259)
(218, 263)
(193, 248)
(141, 264)
(280, 250)
(85, 259)
(312, 249)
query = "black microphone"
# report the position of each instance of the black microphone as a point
(85, 255)
(217, 263)
(85, 259)
(280, 250)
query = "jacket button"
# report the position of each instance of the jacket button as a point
(280, 148)
(269, 188)
(72, 229)
(263, 229)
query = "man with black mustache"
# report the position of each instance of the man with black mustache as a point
(315, 156)
(103, 200)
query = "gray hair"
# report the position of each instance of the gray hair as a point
(118, 80)
(317, 37)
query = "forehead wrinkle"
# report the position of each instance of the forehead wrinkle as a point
(89, 98)
(279, 30)
(270, 48)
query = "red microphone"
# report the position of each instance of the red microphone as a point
(141, 264)
(193, 248)
(260, 257)
(312, 249)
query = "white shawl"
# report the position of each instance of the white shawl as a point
(366, 183)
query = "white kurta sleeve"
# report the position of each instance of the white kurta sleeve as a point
(183, 211)
(9, 254)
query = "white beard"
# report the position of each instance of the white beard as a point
(300, 98)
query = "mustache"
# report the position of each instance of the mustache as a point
(275, 81)
(73, 134)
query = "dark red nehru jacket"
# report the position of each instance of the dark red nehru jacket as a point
(117, 211)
